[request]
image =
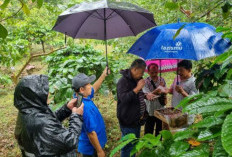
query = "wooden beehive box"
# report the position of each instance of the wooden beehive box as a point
(173, 117)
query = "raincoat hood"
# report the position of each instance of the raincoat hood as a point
(39, 131)
(32, 92)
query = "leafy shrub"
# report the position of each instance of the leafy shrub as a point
(5, 80)
(65, 64)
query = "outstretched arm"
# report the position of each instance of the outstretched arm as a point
(98, 83)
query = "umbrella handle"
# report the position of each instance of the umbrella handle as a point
(107, 70)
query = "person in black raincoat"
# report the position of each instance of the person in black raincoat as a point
(39, 131)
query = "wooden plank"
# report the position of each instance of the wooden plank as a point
(160, 116)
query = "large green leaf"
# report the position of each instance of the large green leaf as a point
(227, 134)
(229, 74)
(178, 148)
(207, 135)
(226, 89)
(183, 135)
(208, 104)
(147, 153)
(184, 102)
(208, 122)
(200, 151)
(152, 139)
(226, 62)
(5, 4)
(218, 150)
(120, 146)
(219, 73)
(178, 31)
(163, 151)
(227, 35)
(128, 136)
(139, 145)
(221, 29)
(221, 57)
(166, 134)
(3, 32)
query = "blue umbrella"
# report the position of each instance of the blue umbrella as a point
(195, 41)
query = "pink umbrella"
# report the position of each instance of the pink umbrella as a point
(165, 65)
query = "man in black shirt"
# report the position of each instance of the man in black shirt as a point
(131, 107)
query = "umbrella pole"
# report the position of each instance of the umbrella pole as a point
(177, 82)
(106, 53)
(160, 69)
(65, 39)
(105, 35)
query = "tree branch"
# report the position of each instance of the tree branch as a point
(42, 42)
(15, 78)
(184, 12)
(45, 54)
(14, 13)
(208, 12)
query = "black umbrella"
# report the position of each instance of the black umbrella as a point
(104, 20)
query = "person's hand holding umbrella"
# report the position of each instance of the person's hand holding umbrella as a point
(106, 71)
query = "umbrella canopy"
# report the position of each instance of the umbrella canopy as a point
(195, 41)
(104, 20)
(165, 65)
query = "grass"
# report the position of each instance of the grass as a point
(8, 114)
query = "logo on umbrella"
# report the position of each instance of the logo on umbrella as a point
(172, 49)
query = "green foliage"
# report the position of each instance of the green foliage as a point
(3, 32)
(209, 122)
(5, 80)
(65, 64)
(4, 5)
(218, 150)
(201, 151)
(26, 34)
(123, 142)
(166, 135)
(226, 9)
(178, 148)
(183, 135)
(39, 3)
(171, 5)
(210, 76)
(227, 134)
(12, 49)
(147, 142)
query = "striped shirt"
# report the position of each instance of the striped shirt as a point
(154, 104)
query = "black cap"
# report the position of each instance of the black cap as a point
(81, 80)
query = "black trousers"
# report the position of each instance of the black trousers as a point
(150, 124)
